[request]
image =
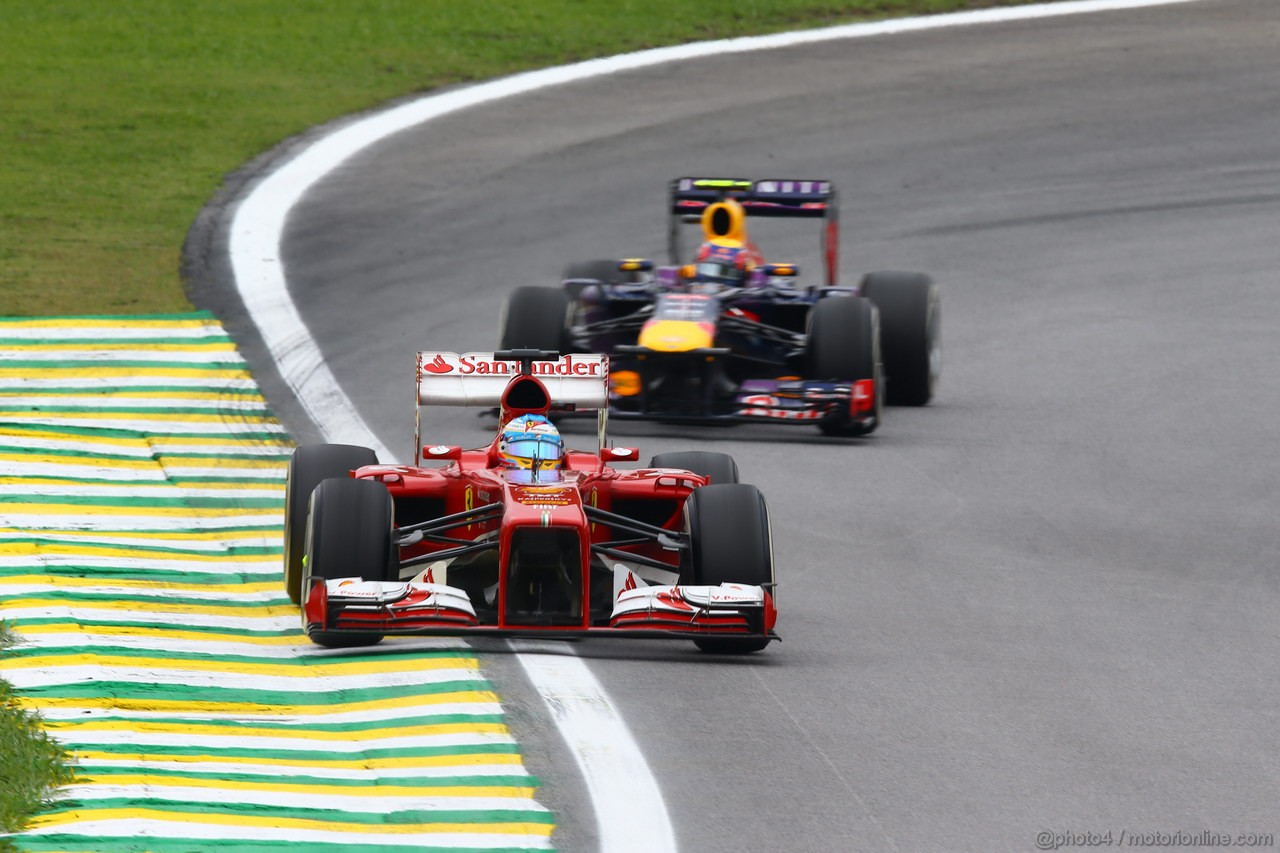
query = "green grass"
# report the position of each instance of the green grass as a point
(32, 765)
(118, 120)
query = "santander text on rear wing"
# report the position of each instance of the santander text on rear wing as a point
(566, 383)
(574, 382)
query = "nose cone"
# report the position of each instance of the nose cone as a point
(675, 335)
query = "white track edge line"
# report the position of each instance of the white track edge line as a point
(618, 780)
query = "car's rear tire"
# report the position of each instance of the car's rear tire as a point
(308, 467)
(349, 535)
(718, 467)
(843, 344)
(730, 541)
(536, 318)
(911, 334)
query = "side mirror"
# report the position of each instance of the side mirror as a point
(620, 454)
(442, 451)
(782, 270)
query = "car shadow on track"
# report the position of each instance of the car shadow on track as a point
(618, 649)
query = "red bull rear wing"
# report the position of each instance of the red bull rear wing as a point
(771, 197)
(794, 198)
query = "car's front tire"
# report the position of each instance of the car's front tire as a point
(349, 535)
(308, 467)
(843, 344)
(536, 318)
(730, 541)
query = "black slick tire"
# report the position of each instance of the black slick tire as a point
(730, 542)
(911, 334)
(349, 535)
(308, 467)
(843, 344)
(718, 467)
(535, 318)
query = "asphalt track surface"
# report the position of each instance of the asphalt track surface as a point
(1047, 602)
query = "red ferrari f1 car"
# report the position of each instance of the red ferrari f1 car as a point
(524, 536)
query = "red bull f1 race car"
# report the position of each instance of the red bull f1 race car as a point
(524, 536)
(722, 335)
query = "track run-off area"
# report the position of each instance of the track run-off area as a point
(141, 499)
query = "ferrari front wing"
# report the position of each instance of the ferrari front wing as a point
(415, 607)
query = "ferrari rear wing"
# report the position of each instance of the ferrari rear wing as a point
(573, 383)
(779, 198)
